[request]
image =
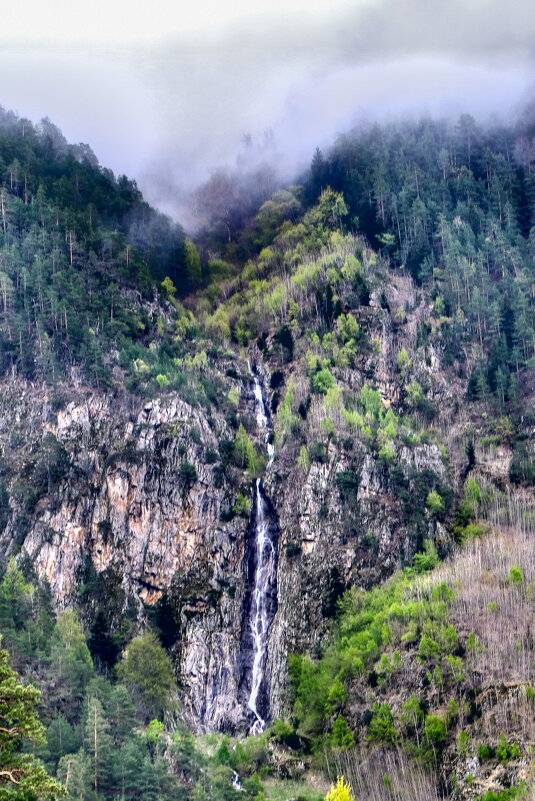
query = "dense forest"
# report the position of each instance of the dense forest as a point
(387, 302)
(82, 256)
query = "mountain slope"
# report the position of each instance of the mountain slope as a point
(131, 440)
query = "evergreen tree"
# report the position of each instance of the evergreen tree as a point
(22, 776)
(147, 672)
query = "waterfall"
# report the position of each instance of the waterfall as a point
(262, 419)
(263, 600)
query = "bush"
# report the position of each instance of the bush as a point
(506, 751)
(318, 452)
(323, 380)
(435, 730)
(516, 575)
(423, 562)
(434, 503)
(463, 743)
(341, 733)
(381, 728)
(187, 474)
(245, 454)
(428, 648)
(347, 482)
(281, 731)
(484, 752)
(242, 505)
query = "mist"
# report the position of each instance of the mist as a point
(170, 96)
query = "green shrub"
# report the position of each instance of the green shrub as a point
(434, 503)
(187, 473)
(242, 505)
(510, 794)
(347, 482)
(318, 452)
(281, 731)
(426, 561)
(463, 743)
(484, 752)
(381, 728)
(435, 730)
(505, 750)
(428, 648)
(516, 576)
(341, 733)
(403, 362)
(323, 380)
(456, 665)
(412, 714)
(245, 454)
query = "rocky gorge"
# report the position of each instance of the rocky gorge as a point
(127, 507)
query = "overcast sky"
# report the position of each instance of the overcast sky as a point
(164, 90)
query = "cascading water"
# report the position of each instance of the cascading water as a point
(262, 420)
(263, 600)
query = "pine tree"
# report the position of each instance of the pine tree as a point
(99, 747)
(22, 776)
(147, 672)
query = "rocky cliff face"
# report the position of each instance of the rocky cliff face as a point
(125, 506)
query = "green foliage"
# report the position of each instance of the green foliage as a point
(281, 731)
(342, 736)
(428, 648)
(286, 419)
(506, 750)
(381, 728)
(456, 666)
(403, 362)
(518, 791)
(347, 482)
(336, 694)
(303, 460)
(187, 474)
(435, 730)
(242, 505)
(22, 776)
(154, 731)
(427, 560)
(245, 453)
(516, 575)
(147, 672)
(318, 452)
(463, 743)
(70, 660)
(80, 248)
(434, 503)
(323, 380)
(484, 752)
(412, 714)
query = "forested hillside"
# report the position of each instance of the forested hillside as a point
(82, 258)
(342, 375)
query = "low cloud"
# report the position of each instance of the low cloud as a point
(169, 108)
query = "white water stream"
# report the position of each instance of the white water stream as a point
(261, 612)
(262, 420)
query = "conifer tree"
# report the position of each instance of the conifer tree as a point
(22, 776)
